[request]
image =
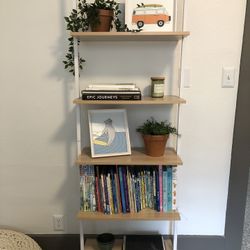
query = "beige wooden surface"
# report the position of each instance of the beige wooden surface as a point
(138, 157)
(145, 214)
(146, 100)
(130, 36)
(91, 244)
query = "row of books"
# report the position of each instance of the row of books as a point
(119, 91)
(127, 189)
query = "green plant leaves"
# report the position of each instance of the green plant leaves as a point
(152, 127)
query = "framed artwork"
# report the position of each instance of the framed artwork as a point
(109, 135)
(150, 15)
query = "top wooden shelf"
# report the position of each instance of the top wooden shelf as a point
(146, 100)
(130, 36)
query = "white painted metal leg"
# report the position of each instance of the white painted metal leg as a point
(78, 129)
(175, 235)
(81, 236)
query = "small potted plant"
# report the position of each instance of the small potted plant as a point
(155, 135)
(100, 15)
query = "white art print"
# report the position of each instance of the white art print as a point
(109, 134)
(150, 15)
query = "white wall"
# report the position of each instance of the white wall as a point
(37, 129)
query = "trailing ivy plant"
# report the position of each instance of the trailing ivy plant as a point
(85, 16)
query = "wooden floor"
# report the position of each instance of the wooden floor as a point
(91, 244)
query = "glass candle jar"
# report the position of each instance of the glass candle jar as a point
(157, 86)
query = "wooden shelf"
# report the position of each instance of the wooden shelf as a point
(130, 36)
(145, 214)
(138, 157)
(91, 244)
(146, 100)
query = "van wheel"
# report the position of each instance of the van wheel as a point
(140, 24)
(160, 23)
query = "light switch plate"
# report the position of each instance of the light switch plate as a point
(228, 77)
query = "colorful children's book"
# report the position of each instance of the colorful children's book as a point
(169, 188)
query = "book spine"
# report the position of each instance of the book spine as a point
(134, 191)
(82, 193)
(174, 186)
(122, 191)
(104, 194)
(113, 188)
(169, 188)
(110, 194)
(131, 204)
(160, 186)
(118, 190)
(94, 198)
(138, 200)
(126, 189)
(157, 191)
(143, 189)
(111, 97)
(164, 185)
(112, 85)
(154, 191)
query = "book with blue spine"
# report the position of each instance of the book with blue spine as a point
(160, 188)
(157, 186)
(165, 188)
(169, 188)
(122, 190)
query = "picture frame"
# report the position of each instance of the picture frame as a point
(109, 134)
(151, 16)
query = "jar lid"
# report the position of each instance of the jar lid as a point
(158, 78)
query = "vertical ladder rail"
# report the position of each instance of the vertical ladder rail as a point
(78, 112)
(77, 89)
(174, 225)
(81, 236)
(77, 94)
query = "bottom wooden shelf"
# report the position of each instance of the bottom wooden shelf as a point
(145, 214)
(91, 244)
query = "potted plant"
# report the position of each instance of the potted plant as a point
(155, 135)
(101, 15)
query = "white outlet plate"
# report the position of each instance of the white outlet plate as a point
(58, 222)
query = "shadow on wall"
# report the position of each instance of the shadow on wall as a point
(68, 193)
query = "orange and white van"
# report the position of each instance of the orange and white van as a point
(150, 14)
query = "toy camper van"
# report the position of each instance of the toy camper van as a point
(150, 14)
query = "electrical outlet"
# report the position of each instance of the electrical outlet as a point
(58, 222)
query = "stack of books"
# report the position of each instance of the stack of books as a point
(119, 91)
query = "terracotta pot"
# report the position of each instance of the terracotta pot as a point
(105, 17)
(155, 144)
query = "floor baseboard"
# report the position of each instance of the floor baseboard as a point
(72, 241)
